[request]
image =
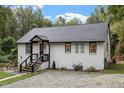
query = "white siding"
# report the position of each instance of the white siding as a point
(63, 59)
(67, 60)
(22, 55)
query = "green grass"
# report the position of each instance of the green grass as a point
(5, 74)
(28, 75)
(115, 69)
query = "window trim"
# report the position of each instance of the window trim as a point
(65, 47)
(89, 48)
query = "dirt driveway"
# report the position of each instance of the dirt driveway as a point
(68, 79)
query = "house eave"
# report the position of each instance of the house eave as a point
(61, 42)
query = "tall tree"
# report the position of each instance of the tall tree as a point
(99, 15)
(116, 12)
(38, 17)
(7, 22)
(74, 21)
(24, 19)
(47, 22)
(60, 21)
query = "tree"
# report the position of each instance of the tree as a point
(74, 21)
(116, 26)
(25, 19)
(47, 22)
(119, 29)
(8, 44)
(38, 17)
(60, 21)
(117, 12)
(7, 22)
(99, 15)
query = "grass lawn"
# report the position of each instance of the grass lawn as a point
(5, 74)
(28, 75)
(115, 69)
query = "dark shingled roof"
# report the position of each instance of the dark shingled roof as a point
(74, 33)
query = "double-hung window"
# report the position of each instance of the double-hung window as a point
(76, 47)
(67, 47)
(92, 47)
(81, 47)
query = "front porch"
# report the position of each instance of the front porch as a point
(39, 53)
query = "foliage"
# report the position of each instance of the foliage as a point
(3, 65)
(7, 44)
(77, 67)
(7, 22)
(54, 65)
(74, 21)
(115, 16)
(60, 21)
(118, 28)
(91, 69)
(47, 22)
(63, 68)
(114, 41)
(4, 59)
(116, 12)
(99, 15)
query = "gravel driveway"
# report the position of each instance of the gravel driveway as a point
(56, 79)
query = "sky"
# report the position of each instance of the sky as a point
(68, 11)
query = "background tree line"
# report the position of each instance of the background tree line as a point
(115, 16)
(15, 22)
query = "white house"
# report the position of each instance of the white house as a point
(88, 44)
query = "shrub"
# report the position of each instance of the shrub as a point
(105, 63)
(91, 69)
(54, 65)
(4, 59)
(3, 64)
(77, 67)
(113, 61)
(2, 53)
(63, 68)
(7, 44)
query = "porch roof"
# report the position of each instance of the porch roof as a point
(40, 37)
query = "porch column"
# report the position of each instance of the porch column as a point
(49, 55)
(42, 46)
(31, 52)
(42, 50)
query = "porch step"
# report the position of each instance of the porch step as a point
(33, 65)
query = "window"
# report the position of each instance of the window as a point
(81, 48)
(45, 48)
(92, 47)
(27, 48)
(67, 47)
(76, 47)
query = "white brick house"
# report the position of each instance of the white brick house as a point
(88, 44)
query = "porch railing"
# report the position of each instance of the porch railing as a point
(39, 61)
(25, 62)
